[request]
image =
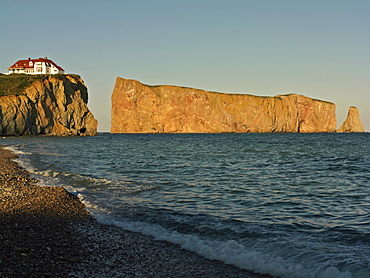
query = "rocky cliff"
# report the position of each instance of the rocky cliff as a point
(139, 108)
(50, 105)
(352, 122)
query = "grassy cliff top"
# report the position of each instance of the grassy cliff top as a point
(15, 84)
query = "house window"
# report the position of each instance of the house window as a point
(38, 69)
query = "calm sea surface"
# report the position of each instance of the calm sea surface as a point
(291, 205)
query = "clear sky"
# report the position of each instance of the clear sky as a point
(317, 48)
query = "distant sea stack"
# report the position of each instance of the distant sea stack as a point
(54, 105)
(139, 108)
(353, 122)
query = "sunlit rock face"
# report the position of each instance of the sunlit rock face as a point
(139, 108)
(353, 122)
(55, 106)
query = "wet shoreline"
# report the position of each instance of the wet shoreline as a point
(47, 232)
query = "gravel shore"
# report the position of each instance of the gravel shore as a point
(47, 232)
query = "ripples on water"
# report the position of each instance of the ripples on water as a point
(296, 205)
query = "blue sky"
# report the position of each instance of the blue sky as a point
(317, 48)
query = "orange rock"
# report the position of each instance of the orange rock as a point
(139, 108)
(353, 122)
(52, 106)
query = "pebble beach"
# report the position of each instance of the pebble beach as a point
(47, 232)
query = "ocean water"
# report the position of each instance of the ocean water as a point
(289, 205)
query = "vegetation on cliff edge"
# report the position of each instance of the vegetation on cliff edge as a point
(15, 84)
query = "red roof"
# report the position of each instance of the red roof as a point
(25, 64)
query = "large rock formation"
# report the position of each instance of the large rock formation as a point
(352, 122)
(54, 105)
(139, 108)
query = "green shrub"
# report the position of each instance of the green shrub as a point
(15, 84)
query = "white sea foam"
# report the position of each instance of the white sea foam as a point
(230, 252)
(90, 206)
(22, 161)
(15, 150)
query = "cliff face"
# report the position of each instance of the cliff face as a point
(52, 106)
(138, 108)
(352, 122)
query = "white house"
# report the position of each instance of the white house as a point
(35, 66)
